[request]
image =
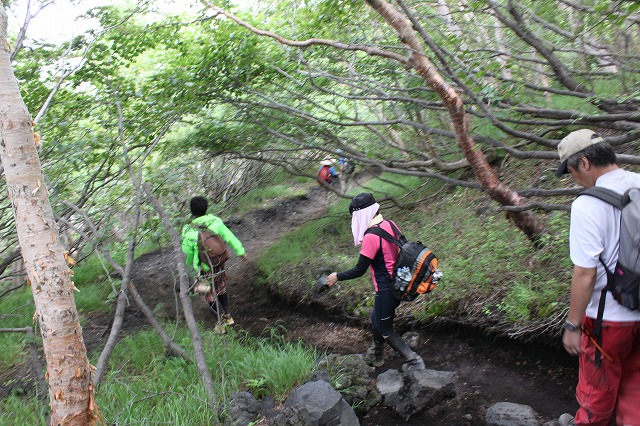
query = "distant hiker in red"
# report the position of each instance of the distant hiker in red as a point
(380, 256)
(217, 294)
(327, 172)
(609, 358)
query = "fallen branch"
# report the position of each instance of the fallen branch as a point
(172, 349)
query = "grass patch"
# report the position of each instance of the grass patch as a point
(16, 311)
(490, 264)
(144, 387)
(28, 411)
(236, 362)
(96, 289)
(89, 271)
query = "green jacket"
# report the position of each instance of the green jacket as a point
(215, 225)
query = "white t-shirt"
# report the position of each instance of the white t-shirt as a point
(594, 233)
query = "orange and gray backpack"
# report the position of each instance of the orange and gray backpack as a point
(416, 269)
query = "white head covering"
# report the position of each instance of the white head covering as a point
(361, 220)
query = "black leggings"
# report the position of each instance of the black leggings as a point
(382, 315)
(384, 311)
(223, 300)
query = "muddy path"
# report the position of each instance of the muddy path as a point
(490, 370)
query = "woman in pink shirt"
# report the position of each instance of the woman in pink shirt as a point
(380, 256)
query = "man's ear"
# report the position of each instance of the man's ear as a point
(585, 163)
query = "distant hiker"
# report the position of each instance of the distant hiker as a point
(217, 295)
(380, 255)
(327, 173)
(347, 167)
(613, 387)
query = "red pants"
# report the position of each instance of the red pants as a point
(615, 385)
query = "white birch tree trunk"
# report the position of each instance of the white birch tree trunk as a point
(68, 369)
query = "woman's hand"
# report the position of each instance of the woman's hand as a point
(332, 279)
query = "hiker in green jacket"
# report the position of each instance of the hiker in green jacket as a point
(218, 292)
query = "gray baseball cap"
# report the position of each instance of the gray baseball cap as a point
(573, 143)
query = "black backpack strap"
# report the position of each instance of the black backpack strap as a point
(597, 329)
(606, 195)
(396, 231)
(376, 230)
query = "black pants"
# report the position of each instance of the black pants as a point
(384, 311)
(382, 316)
(223, 301)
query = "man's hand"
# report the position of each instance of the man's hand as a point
(571, 341)
(332, 279)
(582, 283)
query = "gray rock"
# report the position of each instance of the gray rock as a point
(242, 408)
(267, 406)
(320, 375)
(350, 376)
(325, 405)
(415, 390)
(389, 384)
(510, 414)
(291, 416)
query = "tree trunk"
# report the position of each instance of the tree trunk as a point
(453, 102)
(68, 369)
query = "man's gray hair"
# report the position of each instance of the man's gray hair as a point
(600, 154)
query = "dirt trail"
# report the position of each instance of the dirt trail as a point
(489, 370)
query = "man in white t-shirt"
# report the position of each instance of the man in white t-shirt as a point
(613, 388)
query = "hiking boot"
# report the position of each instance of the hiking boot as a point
(413, 362)
(228, 319)
(566, 420)
(374, 356)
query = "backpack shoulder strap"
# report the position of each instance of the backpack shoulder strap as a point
(376, 230)
(606, 195)
(395, 230)
(616, 200)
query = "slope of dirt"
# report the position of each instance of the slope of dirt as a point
(489, 370)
